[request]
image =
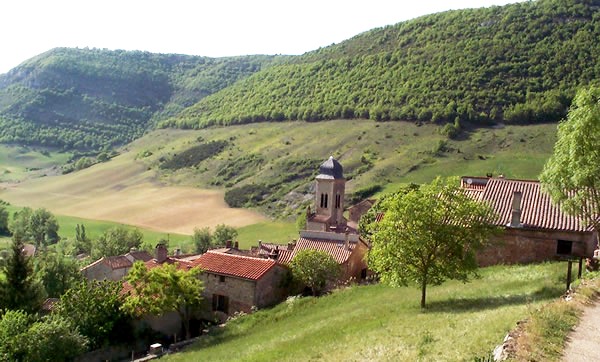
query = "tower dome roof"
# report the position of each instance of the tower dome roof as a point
(331, 169)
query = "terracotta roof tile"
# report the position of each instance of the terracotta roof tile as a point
(235, 265)
(537, 209)
(118, 262)
(336, 248)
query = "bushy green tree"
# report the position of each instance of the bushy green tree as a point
(116, 241)
(14, 325)
(202, 239)
(164, 289)
(429, 235)
(54, 338)
(23, 337)
(37, 226)
(94, 308)
(56, 272)
(572, 174)
(222, 234)
(314, 269)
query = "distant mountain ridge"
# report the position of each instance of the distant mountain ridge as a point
(519, 63)
(89, 99)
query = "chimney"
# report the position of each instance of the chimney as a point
(291, 245)
(132, 249)
(161, 253)
(346, 240)
(228, 244)
(236, 245)
(178, 251)
(515, 219)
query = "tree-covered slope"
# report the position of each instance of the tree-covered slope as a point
(91, 99)
(518, 63)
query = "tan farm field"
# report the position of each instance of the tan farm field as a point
(124, 191)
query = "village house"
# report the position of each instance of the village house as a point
(237, 283)
(114, 267)
(535, 229)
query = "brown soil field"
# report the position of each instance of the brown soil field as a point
(124, 191)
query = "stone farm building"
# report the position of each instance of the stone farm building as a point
(535, 229)
(238, 283)
(114, 267)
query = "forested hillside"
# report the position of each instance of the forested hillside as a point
(520, 63)
(89, 99)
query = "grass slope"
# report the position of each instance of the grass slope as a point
(462, 322)
(283, 157)
(373, 153)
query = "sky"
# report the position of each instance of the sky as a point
(213, 28)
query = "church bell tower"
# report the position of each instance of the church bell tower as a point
(330, 188)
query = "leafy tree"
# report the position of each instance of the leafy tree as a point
(223, 233)
(43, 227)
(13, 341)
(19, 225)
(428, 235)
(314, 268)
(19, 289)
(38, 226)
(164, 289)
(4, 221)
(94, 308)
(202, 239)
(116, 241)
(56, 272)
(572, 174)
(54, 338)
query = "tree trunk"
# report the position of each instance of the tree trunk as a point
(423, 292)
(185, 319)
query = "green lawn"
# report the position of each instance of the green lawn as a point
(462, 321)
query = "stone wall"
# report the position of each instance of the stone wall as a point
(239, 291)
(270, 289)
(520, 246)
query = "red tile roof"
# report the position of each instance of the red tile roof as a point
(235, 265)
(336, 248)
(537, 209)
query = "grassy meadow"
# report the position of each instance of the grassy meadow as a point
(248, 236)
(379, 323)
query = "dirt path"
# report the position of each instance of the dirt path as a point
(584, 342)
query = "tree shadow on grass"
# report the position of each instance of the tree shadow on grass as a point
(463, 305)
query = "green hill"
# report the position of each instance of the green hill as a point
(379, 323)
(272, 165)
(519, 63)
(90, 99)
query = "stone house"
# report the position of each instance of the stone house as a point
(114, 267)
(236, 283)
(535, 229)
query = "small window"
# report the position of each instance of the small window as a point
(221, 279)
(220, 303)
(564, 247)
